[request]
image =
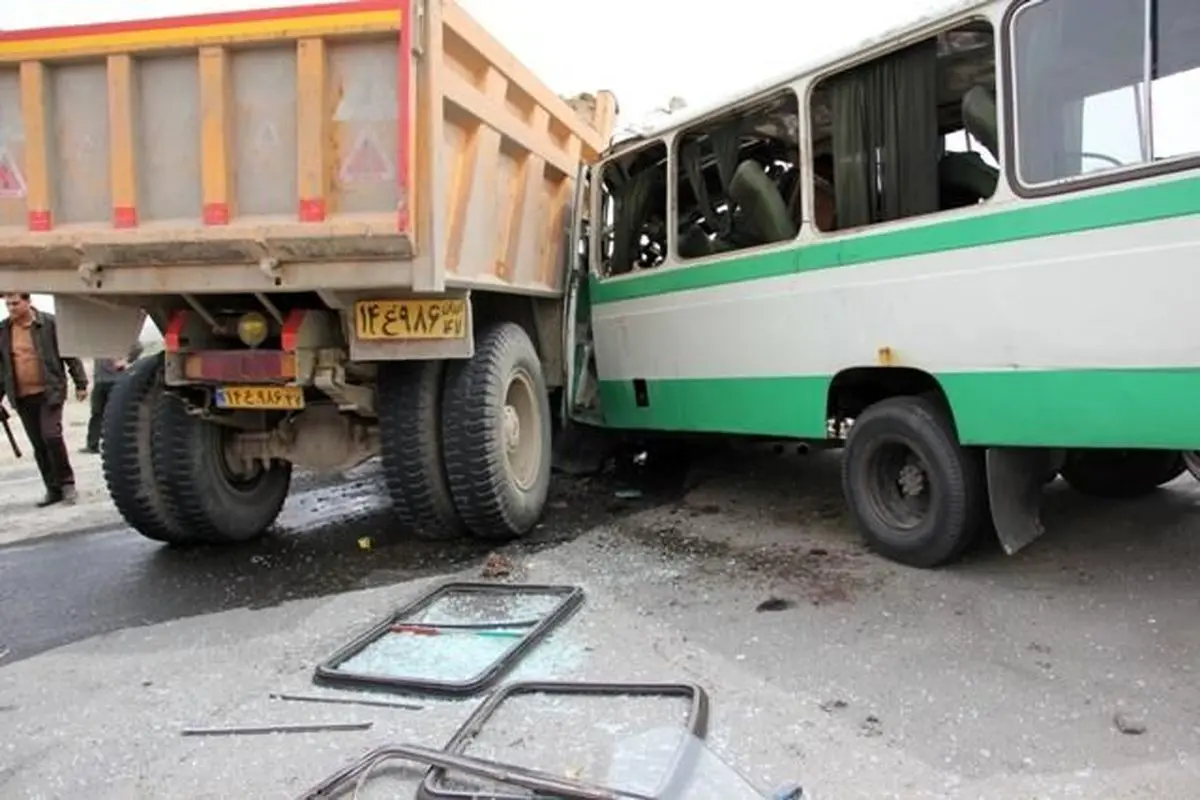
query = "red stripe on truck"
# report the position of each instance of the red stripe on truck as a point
(197, 20)
(216, 214)
(40, 221)
(125, 217)
(312, 209)
(174, 333)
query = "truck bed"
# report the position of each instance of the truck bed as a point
(322, 147)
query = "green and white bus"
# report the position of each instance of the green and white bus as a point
(967, 251)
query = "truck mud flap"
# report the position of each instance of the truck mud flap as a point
(1015, 477)
(675, 767)
(535, 611)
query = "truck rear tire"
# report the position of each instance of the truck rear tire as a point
(918, 496)
(202, 490)
(496, 434)
(1121, 474)
(410, 428)
(125, 456)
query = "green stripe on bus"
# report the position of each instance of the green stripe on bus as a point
(1122, 207)
(1069, 408)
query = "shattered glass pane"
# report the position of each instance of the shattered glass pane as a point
(577, 737)
(471, 608)
(463, 634)
(450, 656)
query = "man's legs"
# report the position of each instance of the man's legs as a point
(100, 394)
(56, 450)
(29, 409)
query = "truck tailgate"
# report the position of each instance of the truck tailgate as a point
(145, 134)
(275, 147)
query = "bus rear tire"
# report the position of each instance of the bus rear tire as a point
(496, 434)
(410, 414)
(125, 456)
(918, 496)
(1121, 474)
(216, 501)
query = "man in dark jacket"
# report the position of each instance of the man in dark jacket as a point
(105, 372)
(33, 378)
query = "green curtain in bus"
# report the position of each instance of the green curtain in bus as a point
(885, 137)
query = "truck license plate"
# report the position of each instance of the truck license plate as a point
(259, 398)
(444, 318)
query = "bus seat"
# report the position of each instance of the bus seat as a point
(979, 118)
(694, 243)
(765, 212)
(964, 179)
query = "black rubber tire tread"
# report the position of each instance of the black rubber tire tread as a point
(959, 511)
(125, 453)
(490, 505)
(195, 490)
(410, 428)
(1121, 474)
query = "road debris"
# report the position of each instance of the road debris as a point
(508, 774)
(496, 566)
(268, 729)
(524, 714)
(406, 652)
(349, 701)
(774, 604)
(1129, 725)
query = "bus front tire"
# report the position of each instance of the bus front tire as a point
(1121, 474)
(496, 434)
(918, 496)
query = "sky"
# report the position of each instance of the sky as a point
(645, 51)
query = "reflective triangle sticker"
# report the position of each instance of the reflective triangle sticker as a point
(366, 162)
(12, 182)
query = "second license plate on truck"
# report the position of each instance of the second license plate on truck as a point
(267, 398)
(445, 318)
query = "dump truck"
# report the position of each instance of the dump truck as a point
(351, 224)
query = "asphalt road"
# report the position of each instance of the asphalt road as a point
(62, 588)
(1065, 671)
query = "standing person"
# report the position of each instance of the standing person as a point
(105, 372)
(33, 377)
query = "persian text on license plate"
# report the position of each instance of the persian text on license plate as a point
(444, 318)
(266, 398)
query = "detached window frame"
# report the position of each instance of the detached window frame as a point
(1142, 88)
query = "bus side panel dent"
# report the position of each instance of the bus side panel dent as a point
(1015, 477)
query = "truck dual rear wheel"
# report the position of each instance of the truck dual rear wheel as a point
(126, 454)
(918, 496)
(496, 434)
(213, 498)
(1121, 474)
(410, 427)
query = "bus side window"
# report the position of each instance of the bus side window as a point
(1096, 92)
(912, 132)
(633, 211)
(738, 179)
